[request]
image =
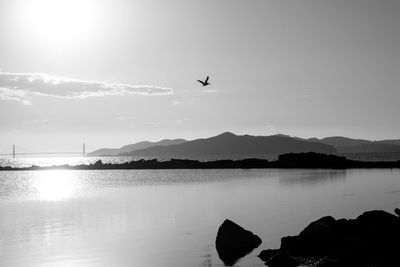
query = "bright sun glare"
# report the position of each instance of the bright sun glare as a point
(59, 24)
(55, 185)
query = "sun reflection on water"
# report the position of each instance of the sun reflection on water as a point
(55, 185)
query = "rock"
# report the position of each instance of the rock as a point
(379, 232)
(329, 263)
(98, 163)
(317, 239)
(369, 240)
(397, 211)
(265, 255)
(281, 259)
(233, 242)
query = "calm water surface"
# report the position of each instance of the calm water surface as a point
(170, 217)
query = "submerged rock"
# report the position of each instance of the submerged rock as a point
(233, 242)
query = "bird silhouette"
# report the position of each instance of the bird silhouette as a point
(205, 83)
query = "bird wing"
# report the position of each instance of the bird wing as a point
(207, 79)
(200, 81)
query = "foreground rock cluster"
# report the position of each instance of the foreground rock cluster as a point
(372, 239)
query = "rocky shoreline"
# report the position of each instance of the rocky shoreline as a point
(372, 239)
(291, 160)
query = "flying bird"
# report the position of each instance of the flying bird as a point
(205, 83)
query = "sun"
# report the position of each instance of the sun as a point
(59, 24)
(54, 185)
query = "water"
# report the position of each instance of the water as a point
(151, 218)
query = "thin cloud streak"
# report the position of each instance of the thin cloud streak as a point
(35, 122)
(15, 95)
(176, 102)
(22, 86)
(210, 91)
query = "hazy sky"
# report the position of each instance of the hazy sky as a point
(113, 72)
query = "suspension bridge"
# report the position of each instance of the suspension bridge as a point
(14, 152)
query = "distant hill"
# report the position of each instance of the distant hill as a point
(229, 145)
(128, 148)
(349, 145)
(391, 142)
(374, 147)
(340, 141)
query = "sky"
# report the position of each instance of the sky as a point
(115, 72)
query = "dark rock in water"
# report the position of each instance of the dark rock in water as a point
(233, 242)
(372, 239)
(265, 255)
(98, 163)
(316, 239)
(281, 259)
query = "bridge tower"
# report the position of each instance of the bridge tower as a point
(84, 150)
(13, 151)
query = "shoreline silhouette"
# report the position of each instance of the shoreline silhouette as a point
(309, 160)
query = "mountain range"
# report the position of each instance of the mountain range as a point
(125, 150)
(229, 145)
(348, 145)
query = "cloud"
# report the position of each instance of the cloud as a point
(16, 95)
(176, 102)
(183, 102)
(210, 91)
(22, 86)
(270, 127)
(124, 118)
(179, 121)
(35, 122)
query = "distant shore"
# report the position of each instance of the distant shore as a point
(308, 160)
